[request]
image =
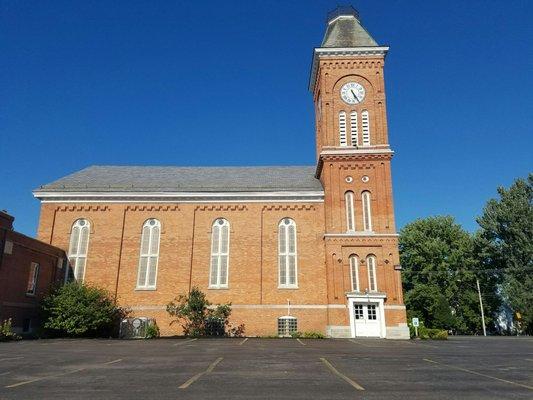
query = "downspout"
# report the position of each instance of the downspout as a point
(120, 251)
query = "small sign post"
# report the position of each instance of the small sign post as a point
(416, 324)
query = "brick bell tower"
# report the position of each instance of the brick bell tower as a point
(353, 164)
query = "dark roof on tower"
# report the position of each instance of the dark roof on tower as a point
(345, 30)
(187, 179)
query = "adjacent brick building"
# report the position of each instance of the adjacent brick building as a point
(28, 268)
(307, 248)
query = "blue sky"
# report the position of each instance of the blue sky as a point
(225, 83)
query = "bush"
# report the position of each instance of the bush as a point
(78, 310)
(427, 333)
(198, 318)
(308, 335)
(152, 331)
(438, 334)
(6, 331)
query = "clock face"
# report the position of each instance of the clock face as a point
(352, 93)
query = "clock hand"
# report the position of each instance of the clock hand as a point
(354, 95)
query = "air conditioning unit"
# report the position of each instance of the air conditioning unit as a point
(135, 328)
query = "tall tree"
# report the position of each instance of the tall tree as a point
(439, 276)
(506, 242)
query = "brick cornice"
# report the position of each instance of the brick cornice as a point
(350, 157)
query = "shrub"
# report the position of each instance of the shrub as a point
(438, 334)
(78, 310)
(6, 331)
(152, 331)
(198, 318)
(308, 335)
(427, 333)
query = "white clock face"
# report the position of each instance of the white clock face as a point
(352, 93)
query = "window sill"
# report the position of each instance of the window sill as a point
(288, 287)
(218, 288)
(142, 289)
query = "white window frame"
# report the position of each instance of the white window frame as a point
(365, 127)
(354, 134)
(366, 201)
(350, 211)
(218, 253)
(371, 266)
(149, 234)
(354, 272)
(33, 277)
(76, 253)
(285, 253)
(342, 129)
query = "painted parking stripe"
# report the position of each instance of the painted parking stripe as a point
(113, 362)
(478, 373)
(241, 343)
(356, 342)
(5, 373)
(341, 375)
(198, 376)
(184, 342)
(43, 377)
(302, 343)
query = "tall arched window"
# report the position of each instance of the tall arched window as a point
(79, 247)
(367, 211)
(219, 254)
(350, 219)
(354, 272)
(287, 253)
(342, 129)
(365, 122)
(149, 257)
(353, 128)
(371, 267)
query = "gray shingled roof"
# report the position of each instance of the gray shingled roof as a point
(347, 31)
(187, 179)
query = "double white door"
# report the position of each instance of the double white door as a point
(366, 317)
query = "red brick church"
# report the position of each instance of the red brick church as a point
(292, 248)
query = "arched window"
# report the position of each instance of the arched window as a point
(371, 267)
(219, 254)
(79, 247)
(367, 211)
(147, 274)
(287, 253)
(342, 129)
(350, 219)
(353, 128)
(365, 122)
(354, 272)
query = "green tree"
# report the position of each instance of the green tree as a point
(80, 310)
(439, 275)
(505, 241)
(197, 318)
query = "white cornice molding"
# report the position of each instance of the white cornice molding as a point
(321, 52)
(178, 197)
(353, 150)
(360, 234)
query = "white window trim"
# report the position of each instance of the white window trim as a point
(34, 271)
(354, 131)
(219, 285)
(354, 275)
(365, 127)
(287, 254)
(146, 286)
(78, 254)
(350, 211)
(374, 275)
(366, 199)
(343, 139)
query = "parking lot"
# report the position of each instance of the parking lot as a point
(466, 368)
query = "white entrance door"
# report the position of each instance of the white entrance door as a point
(366, 317)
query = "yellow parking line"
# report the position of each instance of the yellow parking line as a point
(198, 376)
(302, 343)
(42, 378)
(341, 375)
(478, 373)
(241, 343)
(184, 342)
(113, 362)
